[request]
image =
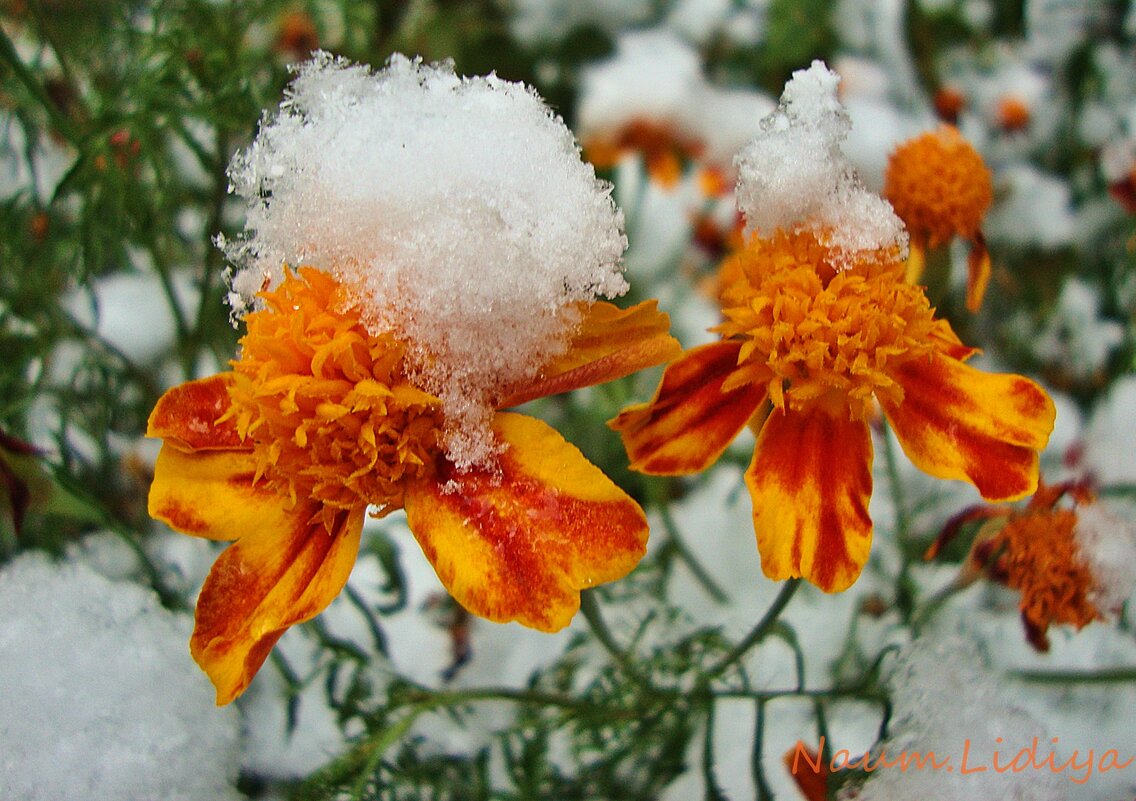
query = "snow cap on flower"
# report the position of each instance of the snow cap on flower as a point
(456, 211)
(793, 175)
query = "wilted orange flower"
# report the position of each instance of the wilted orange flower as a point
(318, 420)
(807, 351)
(941, 188)
(1035, 551)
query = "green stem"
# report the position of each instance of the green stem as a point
(764, 792)
(922, 613)
(63, 125)
(1101, 676)
(429, 699)
(590, 608)
(857, 692)
(756, 634)
(902, 521)
(378, 746)
(700, 573)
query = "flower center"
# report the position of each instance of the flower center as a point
(326, 405)
(818, 335)
(1040, 558)
(939, 186)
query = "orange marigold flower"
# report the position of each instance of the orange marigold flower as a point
(941, 188)
(1038, 551)
(807, 350)
(319, 420)
(665, 152)
(1013, 114)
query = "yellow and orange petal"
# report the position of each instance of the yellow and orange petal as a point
(189, 416)
(213, 494)
(939, 186)
(978, 270)
(269, 580)
(692, 419)
(956, 422)
(520, 540)
(810, 481)
(608, 344)
(811, 332)
(330, 413)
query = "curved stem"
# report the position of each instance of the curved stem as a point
(756, 634)
(590, 609)
(674, 538)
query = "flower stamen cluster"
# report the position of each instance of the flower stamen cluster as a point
(326, 406)
(815, 334)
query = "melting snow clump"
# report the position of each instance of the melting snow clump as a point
(794, 176)
(99, 700)
(1107, 541)
(946, 701)
(457, 211)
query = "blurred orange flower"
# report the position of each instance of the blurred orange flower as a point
(941, 188)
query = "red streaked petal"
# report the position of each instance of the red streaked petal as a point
(211, 494)
(958, 422)
(609, 344)
(519, 541)
(186, 416)
(690, 421)
(271, 579)
(947, 341)
(810, 481)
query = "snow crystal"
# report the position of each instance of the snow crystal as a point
(1110, 435)
(724, 120)
(1076, 336)
(118, 306)
(1036, 209)
(457, 210)
(794, 176)
(1107, 541)
(945, 700)
(653, 76)
(99, 699)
